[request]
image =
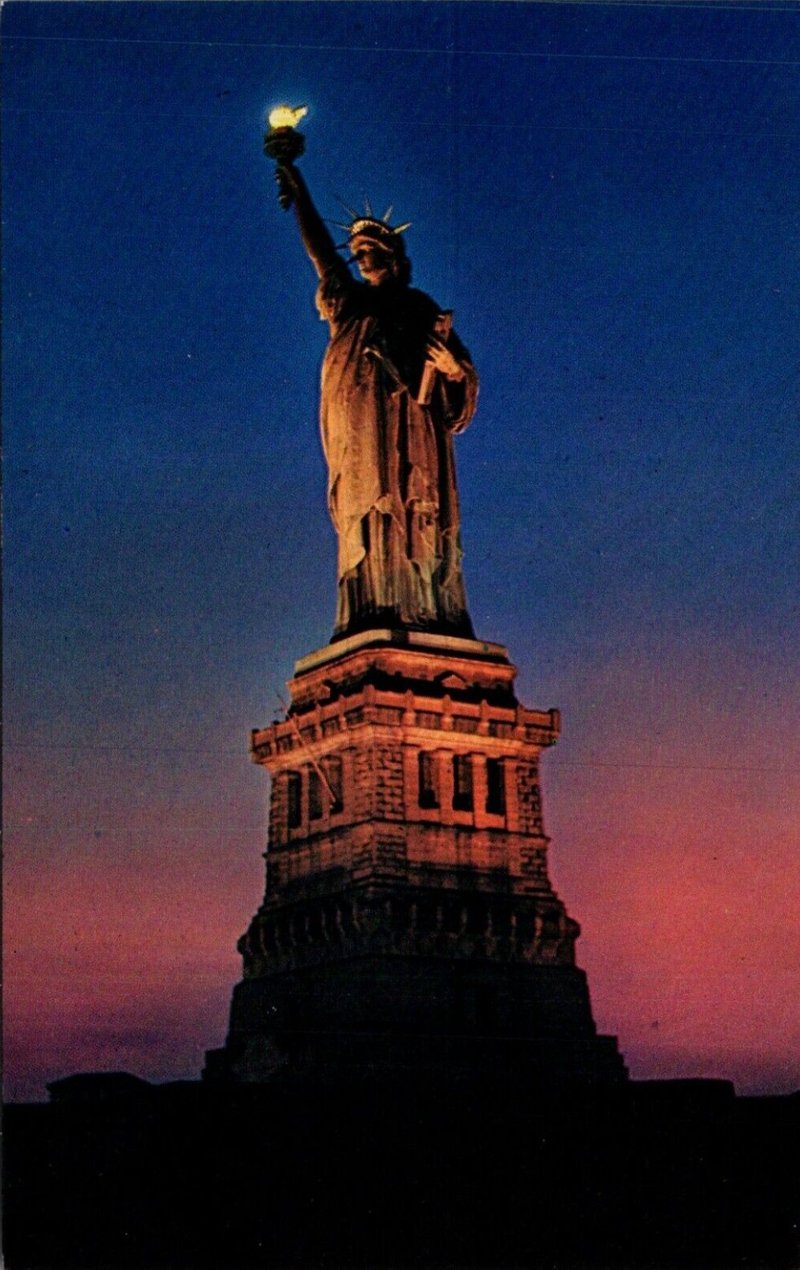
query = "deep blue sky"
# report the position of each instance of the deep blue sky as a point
(607, 196)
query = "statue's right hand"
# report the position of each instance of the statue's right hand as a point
(285, 185)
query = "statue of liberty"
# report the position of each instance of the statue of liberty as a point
(397, 385)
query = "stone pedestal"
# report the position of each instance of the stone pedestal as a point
(409, 924)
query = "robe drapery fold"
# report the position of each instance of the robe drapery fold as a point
(391, 488)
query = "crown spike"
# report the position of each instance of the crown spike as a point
(368, 207)
(347, 208)
(400, 229)
(388, 212)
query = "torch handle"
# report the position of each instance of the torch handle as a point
(284, 145)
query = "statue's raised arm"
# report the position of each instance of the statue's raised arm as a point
(293, 192)
(397, 384)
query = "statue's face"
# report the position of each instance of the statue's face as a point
(374, 264)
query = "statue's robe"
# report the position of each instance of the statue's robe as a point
(392, 487)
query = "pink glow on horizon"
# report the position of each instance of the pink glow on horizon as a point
(684, 876)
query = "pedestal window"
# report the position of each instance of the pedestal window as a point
(333, 774)
(428, 796)
(495, 787)
(294, 806)
(462, 782)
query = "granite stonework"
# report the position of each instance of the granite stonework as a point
(409, 923)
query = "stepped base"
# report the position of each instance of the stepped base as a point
(394, 1016)
(336, 1058)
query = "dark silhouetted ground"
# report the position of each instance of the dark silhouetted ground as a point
(660, 1174)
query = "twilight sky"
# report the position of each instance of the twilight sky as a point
(607, 196)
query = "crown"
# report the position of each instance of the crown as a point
(370, 225)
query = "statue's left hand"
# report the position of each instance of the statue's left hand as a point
(439, 355)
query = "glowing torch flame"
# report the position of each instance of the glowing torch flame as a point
(286, 116)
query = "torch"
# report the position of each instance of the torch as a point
(283, 143)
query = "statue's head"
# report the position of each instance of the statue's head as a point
(379, 251)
